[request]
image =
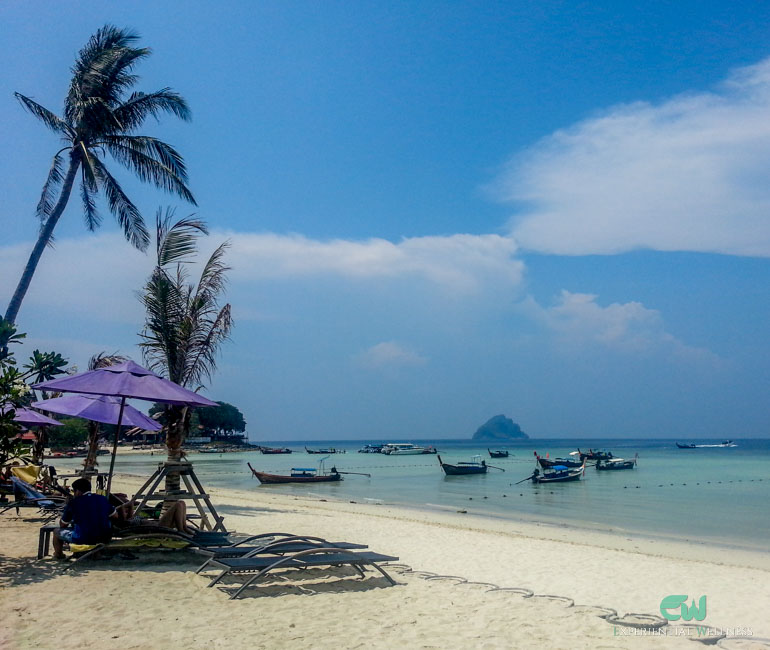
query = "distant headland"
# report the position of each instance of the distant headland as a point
(499, 428)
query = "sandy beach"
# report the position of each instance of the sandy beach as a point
(156, 600)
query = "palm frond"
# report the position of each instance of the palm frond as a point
(90, 212)
(89, 189)
(205, 345)
(152, 161)
(176, 242)
(50, 119)
(127, 214)
(103, 360)
(49, 194)
(212, 281)
(135, 110)
(164, 311)
(102, 69)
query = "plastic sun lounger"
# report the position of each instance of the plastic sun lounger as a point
(285, 546)
(261, 565)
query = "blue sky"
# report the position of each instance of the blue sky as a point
(438, 211)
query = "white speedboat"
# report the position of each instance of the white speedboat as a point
(404, 449)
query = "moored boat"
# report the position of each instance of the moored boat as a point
(475, 466)
(547, 463)
(616, 463)
(275, 450)
(594, 454)
(498, 453)
(297, 475)
(558, 474)
(330, 450)
(406, 449)
(681, 446)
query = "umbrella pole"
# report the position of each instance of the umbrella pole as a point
(115, 444)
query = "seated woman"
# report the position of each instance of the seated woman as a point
(175, 516)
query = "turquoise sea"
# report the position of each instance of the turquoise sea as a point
(718, 495)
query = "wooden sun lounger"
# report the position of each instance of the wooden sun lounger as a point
(288, 545)
(261, 565)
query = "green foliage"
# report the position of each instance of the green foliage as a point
(43, 366)
(8, 335)
(14, 391)
(73, 432)
(224, 418)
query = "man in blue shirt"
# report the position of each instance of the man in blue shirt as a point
(90, 513)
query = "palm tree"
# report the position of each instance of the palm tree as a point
(184, 324)
(100, 117)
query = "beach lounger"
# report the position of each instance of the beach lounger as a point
(262, 565)
(288, 545)
(199, 537)
(170, 540)
(25, 495)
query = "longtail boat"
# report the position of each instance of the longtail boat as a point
(298, 475)
(593, 454)
(331, 450)
(499, 453)
(475, 466)
(616, 463)
(275, 450)
(558, 474)
(547, 463)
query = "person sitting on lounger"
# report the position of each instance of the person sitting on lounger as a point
(90, 513)
(174, 517)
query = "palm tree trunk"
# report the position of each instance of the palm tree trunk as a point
(178, 418)
(89, 464)
(38, 451)
(42, 240)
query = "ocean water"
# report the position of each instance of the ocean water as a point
(717, 495)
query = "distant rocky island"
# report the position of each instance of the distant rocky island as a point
(499, 428)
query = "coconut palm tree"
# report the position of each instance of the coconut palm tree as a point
(184, 324)
(100, 117)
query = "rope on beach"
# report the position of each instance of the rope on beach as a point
(524, 593)
(747, 643)
(439, 577)
(638, 620)
(604, 612)
(610, 615)
(563, 599)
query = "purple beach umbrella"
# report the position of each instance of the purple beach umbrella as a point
(98, 408)
(32, 418)
(125, 380)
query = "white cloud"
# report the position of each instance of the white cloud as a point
(100, 274)
(458, 262)
(88, 275)
(688, 174)
(577, 320)
(389, 354)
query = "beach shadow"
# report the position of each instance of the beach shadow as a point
(251, 510)
(16, 571)
(310, 582)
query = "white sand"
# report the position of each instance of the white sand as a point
(157, 601)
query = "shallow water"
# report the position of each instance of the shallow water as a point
(717, 495)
